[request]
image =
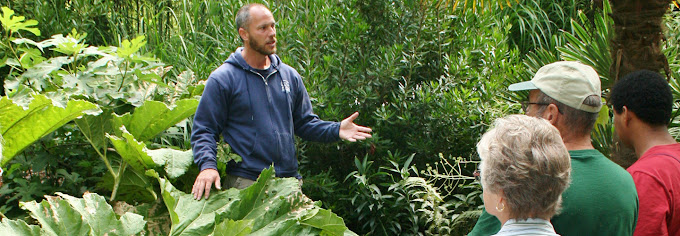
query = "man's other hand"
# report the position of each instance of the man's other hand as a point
(353, 132)
(204, 182)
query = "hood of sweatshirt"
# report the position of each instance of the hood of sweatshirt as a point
(236, 59)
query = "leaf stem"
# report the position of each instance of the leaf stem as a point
(116, 180)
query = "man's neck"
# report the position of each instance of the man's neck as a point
(647, 138)
(576, 142)
(255, 59)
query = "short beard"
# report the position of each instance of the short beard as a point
(261, 49)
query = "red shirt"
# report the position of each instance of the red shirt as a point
(657, 179)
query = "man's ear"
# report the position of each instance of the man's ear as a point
(626, 116)
(551, 113)
(243, 33)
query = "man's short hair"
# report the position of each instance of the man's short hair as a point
(243, 16)
(645, 93)
(581, 122)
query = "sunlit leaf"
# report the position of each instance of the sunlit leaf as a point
(95, 128)
(13, 23)
(175, 162)
(128, 48)
(21, 127)
(234, 228)
(90, 215)
(38, 74)
(271, 206)
(154, 117)
(132, 151)
(18, 227)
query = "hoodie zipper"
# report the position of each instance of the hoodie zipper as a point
(271, 105)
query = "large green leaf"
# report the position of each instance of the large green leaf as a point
(271, 206)
(21, 127)
(18, 227)
(39, 74)
(57, 216)
(153, 117)
(13, 23)
(234, 228)
(95, 128)
(176, 162)
(90, 215)
(132, 151)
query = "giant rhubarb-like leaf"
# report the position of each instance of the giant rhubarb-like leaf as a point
(90, 215)
(132, 151)
(271, 206)
(95, 128)
(136, 154)
(20, 128)
(153, 117)
(18, 227)
(175, 162)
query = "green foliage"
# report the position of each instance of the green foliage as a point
(132, 151)
(113, 79)
(286, 210)
(465, 222)
(425, 79)
(13, 24)
(64, 214)
(58, 162)
(391, 201)
(21, 127)
(154, 117)
(141, 159)
(589, 43)
(18, 227)
(671, 49)
(535, 23)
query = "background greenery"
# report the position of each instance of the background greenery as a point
(428, 76)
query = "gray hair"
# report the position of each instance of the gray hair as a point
(243, 16)
(525, 159)
(581, 122)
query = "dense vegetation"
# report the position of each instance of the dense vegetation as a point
(98, 98)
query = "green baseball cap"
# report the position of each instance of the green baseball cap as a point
(568, 82)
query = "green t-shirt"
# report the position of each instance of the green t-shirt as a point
(601, 200)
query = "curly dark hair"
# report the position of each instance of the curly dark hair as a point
(645, 93)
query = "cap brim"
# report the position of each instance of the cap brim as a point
(526, 85)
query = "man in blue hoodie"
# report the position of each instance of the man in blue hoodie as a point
(256, 103)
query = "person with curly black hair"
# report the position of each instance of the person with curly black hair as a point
(642, 103)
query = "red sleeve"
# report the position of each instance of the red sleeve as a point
(654, 205)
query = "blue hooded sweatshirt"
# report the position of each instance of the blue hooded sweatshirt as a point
(257, 116)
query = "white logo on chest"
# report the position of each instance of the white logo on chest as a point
(285, 86)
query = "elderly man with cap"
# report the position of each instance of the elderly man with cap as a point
(601, 199)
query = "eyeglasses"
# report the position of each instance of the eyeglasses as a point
(525, 105)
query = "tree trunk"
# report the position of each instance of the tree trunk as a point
(637, 43)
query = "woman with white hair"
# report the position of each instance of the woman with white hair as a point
(524, 169)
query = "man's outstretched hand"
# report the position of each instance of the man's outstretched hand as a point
(353, 132)
(204, 182)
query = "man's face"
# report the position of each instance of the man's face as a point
(619, 129)
(532, 109)
(261, 31)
